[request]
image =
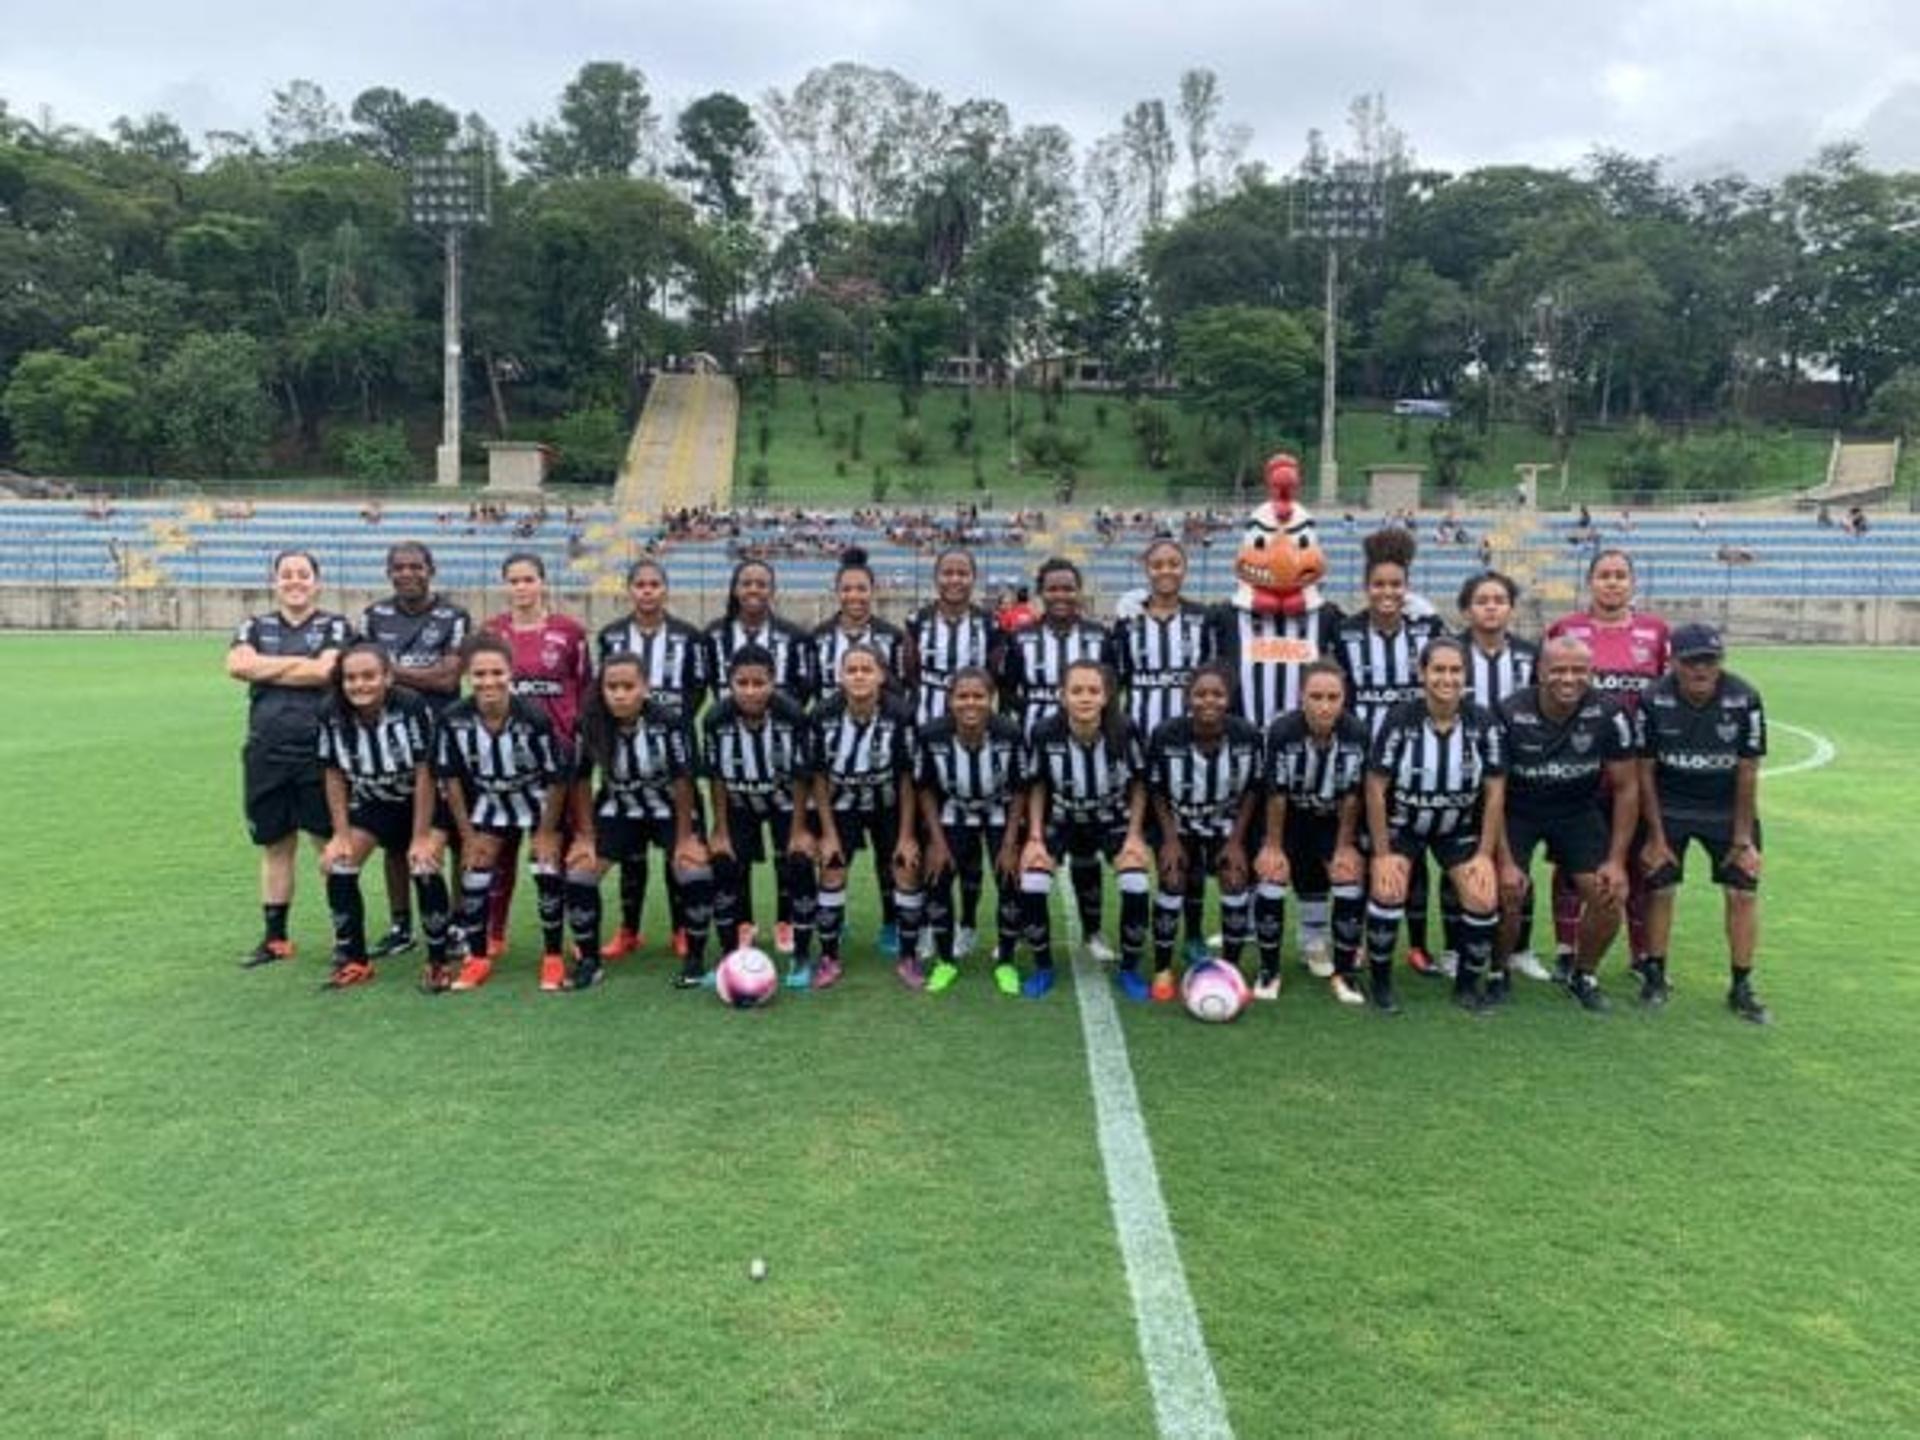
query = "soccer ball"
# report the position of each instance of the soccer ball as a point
(746, 978)
(1214, 991)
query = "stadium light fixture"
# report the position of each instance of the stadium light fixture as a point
(450, 191)
(1338, 203)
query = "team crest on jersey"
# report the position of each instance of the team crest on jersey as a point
(1642, 654)
(549, 657)
(1582, 743)
(1727, 729)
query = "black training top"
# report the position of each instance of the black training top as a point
(283, 721)
(1555, 767)
(1697, 749)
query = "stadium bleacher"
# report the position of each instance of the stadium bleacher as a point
(147, 544)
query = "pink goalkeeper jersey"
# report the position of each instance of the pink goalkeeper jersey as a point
(551, 666)
(1627, 657)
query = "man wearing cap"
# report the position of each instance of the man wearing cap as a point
(1702, 735)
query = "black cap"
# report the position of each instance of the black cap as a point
(1697, 641)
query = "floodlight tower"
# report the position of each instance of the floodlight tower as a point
(1344, 201)
(450, 191)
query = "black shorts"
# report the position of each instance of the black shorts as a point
(1447, 850)
(626, 837)
(745, 830)
(1070, 839)
(1203, 857)
(1576, 840)
(1308, 840)
(390, 822)
(279, 797)
(1717, 840)
(879, 829)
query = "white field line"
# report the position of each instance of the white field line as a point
(1824, 751)
(1186, 1393)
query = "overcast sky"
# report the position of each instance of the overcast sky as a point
(1756, 85)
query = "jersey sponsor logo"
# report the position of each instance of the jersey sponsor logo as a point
(1161, 679)
(1696, 762)
(1556, 770)
(1282, 650)
(528, 686)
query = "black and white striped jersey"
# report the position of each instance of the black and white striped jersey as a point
(863, 757)
(942, 646)
(789, 645)
(503, 776)
(673, 657)
(636, 782)
(379, 760)
(1204, 785)
(976, 784)
(1509, 670)
(1315, 775)
(1436, 780)
(1086, 781)
(758, 763)
(1267, 653)
(1382, 670)
(1155, 657)
(831, 643)
(418, 639)
(1037, 661)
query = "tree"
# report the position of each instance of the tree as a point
(860, 139)
(1199, 110)
(719, 140)
(915, 333)
(394, 129)
(301, 118)
(1251, 367)
(1422, 333)
(1110, 200)
(88, 413)
(157, 137)
(214, 401)
(604, 126)
(1895, 406)
(1150, 153)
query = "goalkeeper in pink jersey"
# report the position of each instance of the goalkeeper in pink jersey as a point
(1630, 651)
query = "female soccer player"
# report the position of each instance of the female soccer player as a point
(552, 670)
(1436, 784)
(854, 623)
(1203, 771)
(1380, 648)
(1499, 663)
(1086, 800)
(376, 752)
(1155, 653)
(423, 631)
(946, 637)
(1316, 763)
(286, 659)
(504, 777)
(971, 788)
(758, 749)
(673, 657)
(1630, 649)
(1038, 657)
(643, 753)
(863, 790)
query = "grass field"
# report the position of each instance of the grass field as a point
(813, 463)
(232, 1205)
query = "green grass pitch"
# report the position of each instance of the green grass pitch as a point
(230, 1204)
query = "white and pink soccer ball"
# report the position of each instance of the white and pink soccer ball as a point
(1215, 992)
(746, 978)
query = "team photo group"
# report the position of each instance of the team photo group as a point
(1366, 769)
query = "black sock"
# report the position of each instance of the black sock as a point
(581, 900)
(1086, 895)
(971, 884)
(1135, 905)
(1349, 927)
(633, 891)
(1036, 910)
(476, 888)
(431, 892)
(830, 918)
(1269, 925)
(1166, 927)
(349, 914)
(550, 897)
(940, 916)
(276, 920)
(803, 884)
(1235, 918)
(1008, 919)
(1196, 913)
(695, 889)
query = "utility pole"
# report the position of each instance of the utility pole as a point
(448, 192)
(1344, 201)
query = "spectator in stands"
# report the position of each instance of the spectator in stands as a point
(1856, 522)
(1824, 516)
(1019, 614)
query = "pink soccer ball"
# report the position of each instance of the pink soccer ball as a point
(746, 978)
(1215, 992)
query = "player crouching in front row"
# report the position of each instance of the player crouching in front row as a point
(644, 755)
(1086, 800)
(1703, 735)
(504, 777)
(1436, 782)
(375, 753)
(1203, 770)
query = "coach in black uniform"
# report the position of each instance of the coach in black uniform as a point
(286, 659)
(1564, 738)
(422, 633)
(1703, 735)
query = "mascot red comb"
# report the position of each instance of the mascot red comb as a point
(1276, 624)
